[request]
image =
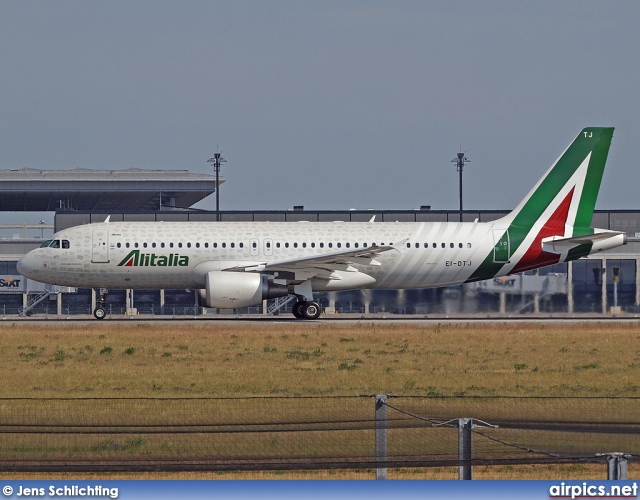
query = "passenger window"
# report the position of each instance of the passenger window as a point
(255, 245)
(355, 245)
(215, 245)
(188, 245)
(321, 245)
(286, 245)
(348, 245)
(304, 245)
(224, 245)
(459, 245)
(443, 245)
(233, 245)
(339, 245)
(278, 244)
(451, 245)
(241, 245)
(426, 245)
(197, 245)
(119, 245)
(171, 245)
(153, 245)
(417, 245)
(330, 245)
(162, 245)
(135, 244)
(468, 245)
(144, 245)
(127, 244)
(295, 245)
(268, 244)
(434, 245)
(206, 245)
(180, 245)
(408, 245)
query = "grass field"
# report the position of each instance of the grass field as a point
(113, 359)
(245, 359)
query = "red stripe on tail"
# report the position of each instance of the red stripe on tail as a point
(534, 256)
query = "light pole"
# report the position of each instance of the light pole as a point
(217, 160)
(460, 160)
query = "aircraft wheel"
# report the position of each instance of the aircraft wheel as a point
(311, 310)
(99, 313)
(297, 310)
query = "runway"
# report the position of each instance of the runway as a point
(338, 319)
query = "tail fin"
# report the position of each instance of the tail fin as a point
(571, 185)
(559, 206)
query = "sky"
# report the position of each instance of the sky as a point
(327, 104)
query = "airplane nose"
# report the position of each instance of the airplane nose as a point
(25, 264)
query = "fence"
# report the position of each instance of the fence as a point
(277, 433)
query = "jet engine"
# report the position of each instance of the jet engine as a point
(232, 290)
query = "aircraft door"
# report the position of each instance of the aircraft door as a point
(100, 246)
(268, 247)
(502, 248)
(255, 247)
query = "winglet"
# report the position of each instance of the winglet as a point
(107, 219)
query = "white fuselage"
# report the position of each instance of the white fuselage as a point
(166, 255)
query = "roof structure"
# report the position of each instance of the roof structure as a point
(28, 189)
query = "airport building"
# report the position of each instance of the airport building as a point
(598, 284)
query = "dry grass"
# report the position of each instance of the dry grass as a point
(574, 472)
(219, 359)
(226, 359)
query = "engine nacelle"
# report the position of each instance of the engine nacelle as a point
(232, 290)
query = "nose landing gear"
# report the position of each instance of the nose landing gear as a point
(101, 306)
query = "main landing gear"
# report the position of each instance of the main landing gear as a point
(101, 306)
(306, 310)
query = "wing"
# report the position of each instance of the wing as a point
(322, 266)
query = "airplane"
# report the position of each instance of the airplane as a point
(240, 264)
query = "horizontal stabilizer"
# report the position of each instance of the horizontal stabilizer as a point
(598, 242)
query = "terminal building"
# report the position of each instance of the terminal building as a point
(81, 196)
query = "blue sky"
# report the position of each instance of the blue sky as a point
(327, 104)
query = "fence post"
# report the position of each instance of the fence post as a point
(616, 466)
(381, 434)
(464, 448)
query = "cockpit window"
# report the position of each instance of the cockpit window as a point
(45, 244)
(55, 244)
(65, 244)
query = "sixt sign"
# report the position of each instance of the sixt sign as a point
(11, 283)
